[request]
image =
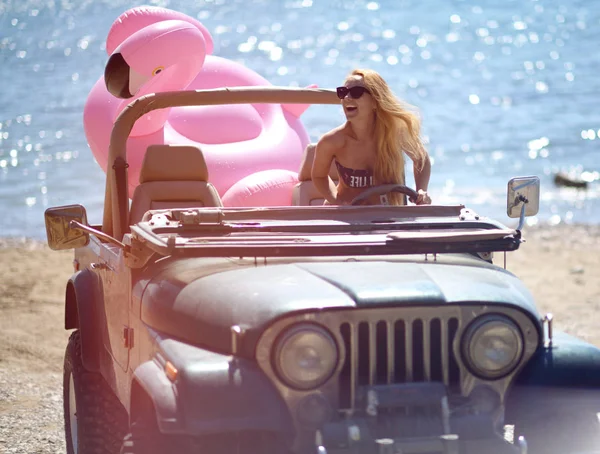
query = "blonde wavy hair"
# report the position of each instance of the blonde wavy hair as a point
(397, 128)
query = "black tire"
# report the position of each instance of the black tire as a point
(100, 417)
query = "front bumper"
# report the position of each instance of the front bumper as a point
(414, 418)
(443, 444)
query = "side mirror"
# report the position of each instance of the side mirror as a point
(523, 198)
(59, 233)
(523, 192)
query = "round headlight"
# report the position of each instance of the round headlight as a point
(492, 346)
(305, 356)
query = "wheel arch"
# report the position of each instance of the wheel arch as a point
(149, 380)
(82, 298)
(555, 400)
(71, 315)
(566, 372)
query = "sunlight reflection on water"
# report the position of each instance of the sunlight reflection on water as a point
(503, 88)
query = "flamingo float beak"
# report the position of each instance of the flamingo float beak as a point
(116, 76)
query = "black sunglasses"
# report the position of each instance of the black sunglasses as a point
(355, 92)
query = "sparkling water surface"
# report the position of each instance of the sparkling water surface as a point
(505, 89)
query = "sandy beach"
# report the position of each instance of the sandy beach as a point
(560, 265)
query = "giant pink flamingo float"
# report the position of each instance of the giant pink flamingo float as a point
(252, 151)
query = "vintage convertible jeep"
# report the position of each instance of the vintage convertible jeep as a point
(306, 329)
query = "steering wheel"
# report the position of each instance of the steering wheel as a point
(385, 189)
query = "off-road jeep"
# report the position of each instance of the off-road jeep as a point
(307, 329)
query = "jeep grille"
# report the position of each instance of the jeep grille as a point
(401, 344)
(397, 351)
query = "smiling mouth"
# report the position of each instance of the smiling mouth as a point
(351, 108)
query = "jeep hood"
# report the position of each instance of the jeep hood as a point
(198, 299)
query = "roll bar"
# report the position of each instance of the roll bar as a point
(116, 204)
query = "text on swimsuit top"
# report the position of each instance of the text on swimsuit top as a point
(355, 178)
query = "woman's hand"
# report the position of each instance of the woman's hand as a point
(423, 198)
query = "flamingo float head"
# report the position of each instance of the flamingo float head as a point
(176, 55)
(175, 37)
(153, 49)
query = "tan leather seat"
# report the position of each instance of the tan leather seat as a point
(305, 193)
(172, 176)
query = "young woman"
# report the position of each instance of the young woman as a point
(368, 149)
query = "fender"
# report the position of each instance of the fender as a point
(81, 303)
(569, 362)
(151, 378)
(566, 373)
(212, 393)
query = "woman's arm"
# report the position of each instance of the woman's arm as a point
(324, 154)
(422, 173)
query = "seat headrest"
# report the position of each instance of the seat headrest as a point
(173, 163)
(307, 161)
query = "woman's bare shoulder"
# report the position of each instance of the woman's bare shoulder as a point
(334, 138)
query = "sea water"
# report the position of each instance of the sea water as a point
(504, 88)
